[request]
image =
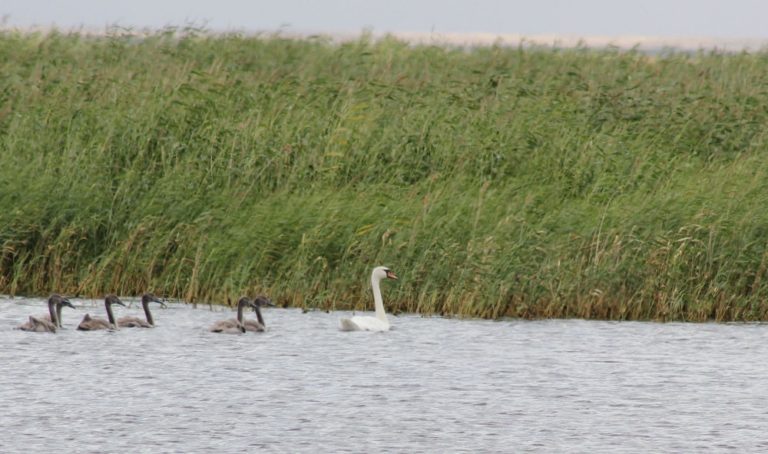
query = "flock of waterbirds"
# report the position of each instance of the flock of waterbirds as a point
(52, 321)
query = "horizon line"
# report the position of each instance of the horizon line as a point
(460, 39)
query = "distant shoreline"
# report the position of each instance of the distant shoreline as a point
(640, 42)
(571, 41)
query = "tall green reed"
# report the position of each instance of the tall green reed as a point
(496, 181)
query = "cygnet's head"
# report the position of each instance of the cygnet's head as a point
(151, 298)
(113, 299)
(60, 300)
(244, 301)
(262, 301)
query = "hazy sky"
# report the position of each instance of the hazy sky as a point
(673, 18)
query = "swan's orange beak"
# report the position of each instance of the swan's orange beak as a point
(391, 275)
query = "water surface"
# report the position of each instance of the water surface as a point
(430, 385)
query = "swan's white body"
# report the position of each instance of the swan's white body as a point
(380, 321)
(364, 323)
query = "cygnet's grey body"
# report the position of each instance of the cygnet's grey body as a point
(234, 326)
(136, 322)
(47, 323)
(95, 323)
(258, 325)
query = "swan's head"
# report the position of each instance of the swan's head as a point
(382, 272)
(60, 301)
(150, 298)
(113, 299)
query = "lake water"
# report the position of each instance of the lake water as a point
(430, 385)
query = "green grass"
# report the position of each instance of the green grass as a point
(495, 181)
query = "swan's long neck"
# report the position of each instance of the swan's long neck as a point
(377, 301)
(110, 315)
(240, 307)
(147, 313)
(52, 311)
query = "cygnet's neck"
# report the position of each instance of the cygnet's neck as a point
(240, 306)
(259, 317)
(147, 313)
(52, 312)
(110, 314)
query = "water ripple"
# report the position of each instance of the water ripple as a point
(431, 385)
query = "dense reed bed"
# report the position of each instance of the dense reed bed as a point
(495, 181)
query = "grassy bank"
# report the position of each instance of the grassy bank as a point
(495, 181)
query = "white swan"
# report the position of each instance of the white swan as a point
(379, 322)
